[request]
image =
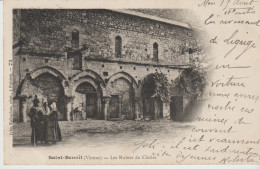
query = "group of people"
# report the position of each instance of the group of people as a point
(44, 123)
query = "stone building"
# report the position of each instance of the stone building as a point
(96, 59)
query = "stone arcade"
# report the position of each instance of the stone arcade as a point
(96, 60)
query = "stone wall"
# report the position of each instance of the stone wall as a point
(49, 32)
(46, 36)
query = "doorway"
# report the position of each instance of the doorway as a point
(176, 108)
(91, 106)
(114, 107)
(86, 100)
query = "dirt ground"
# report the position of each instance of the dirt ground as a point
(96, 132)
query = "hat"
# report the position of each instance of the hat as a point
(36, 100)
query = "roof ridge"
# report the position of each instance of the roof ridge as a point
(156, 18)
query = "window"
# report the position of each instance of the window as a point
(77, 64)
(105, 73)
(118, 47)
(155, 51)
(75, 39)
(190, 51)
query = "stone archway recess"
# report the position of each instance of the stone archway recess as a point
(91, 77)
(152, 107)
(124, 99)
(31, 76)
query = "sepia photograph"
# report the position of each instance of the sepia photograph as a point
(92, 75)
(116, 83)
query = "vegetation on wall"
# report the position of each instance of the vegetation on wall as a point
(192, 81)
(156, 85)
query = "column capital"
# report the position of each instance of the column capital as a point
(106, 99)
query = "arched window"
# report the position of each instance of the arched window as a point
(75, 39)
(118, 47)
(155, 51)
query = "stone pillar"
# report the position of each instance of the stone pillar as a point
(23, 108)
(137, 110)
(69, 100)
(106, 105)
(166, 110)
(99, 108)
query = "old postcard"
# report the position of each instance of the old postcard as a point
(131, 82)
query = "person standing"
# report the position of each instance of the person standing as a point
(53, 133)
(37, 123)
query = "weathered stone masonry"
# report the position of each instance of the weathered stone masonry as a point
(69, 56)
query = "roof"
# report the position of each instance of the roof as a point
(142, 15)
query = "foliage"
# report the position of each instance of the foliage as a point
(156, 85)
(193, 80)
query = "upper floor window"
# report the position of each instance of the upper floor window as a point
(77, 56)
(75, 39)
(118, 47)
(155, 51)
(77, 65)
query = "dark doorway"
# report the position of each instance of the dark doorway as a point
(91, 105)
(113, 109)
(86, 94)
(124, 92)
(176, 108)
(153, 108)
(148, 108)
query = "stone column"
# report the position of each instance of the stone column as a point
(166, 110)
(99, 108)
(23, 108)
(69, 100)
(106, 102)
(137, 110)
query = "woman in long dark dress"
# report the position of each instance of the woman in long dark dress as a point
(37, 123)
(53, 133)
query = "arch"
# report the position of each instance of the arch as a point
(90, 73)
(88, 79)
(41, 70)
(118, 47)
(92, 76)
(152, 106)
(124, 75)
(123, 91)
(96, 97)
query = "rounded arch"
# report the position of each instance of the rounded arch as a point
(90, 75)
(90, 100)
(46, 69)
(88, 79)
(123, 90)
(125, 76)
